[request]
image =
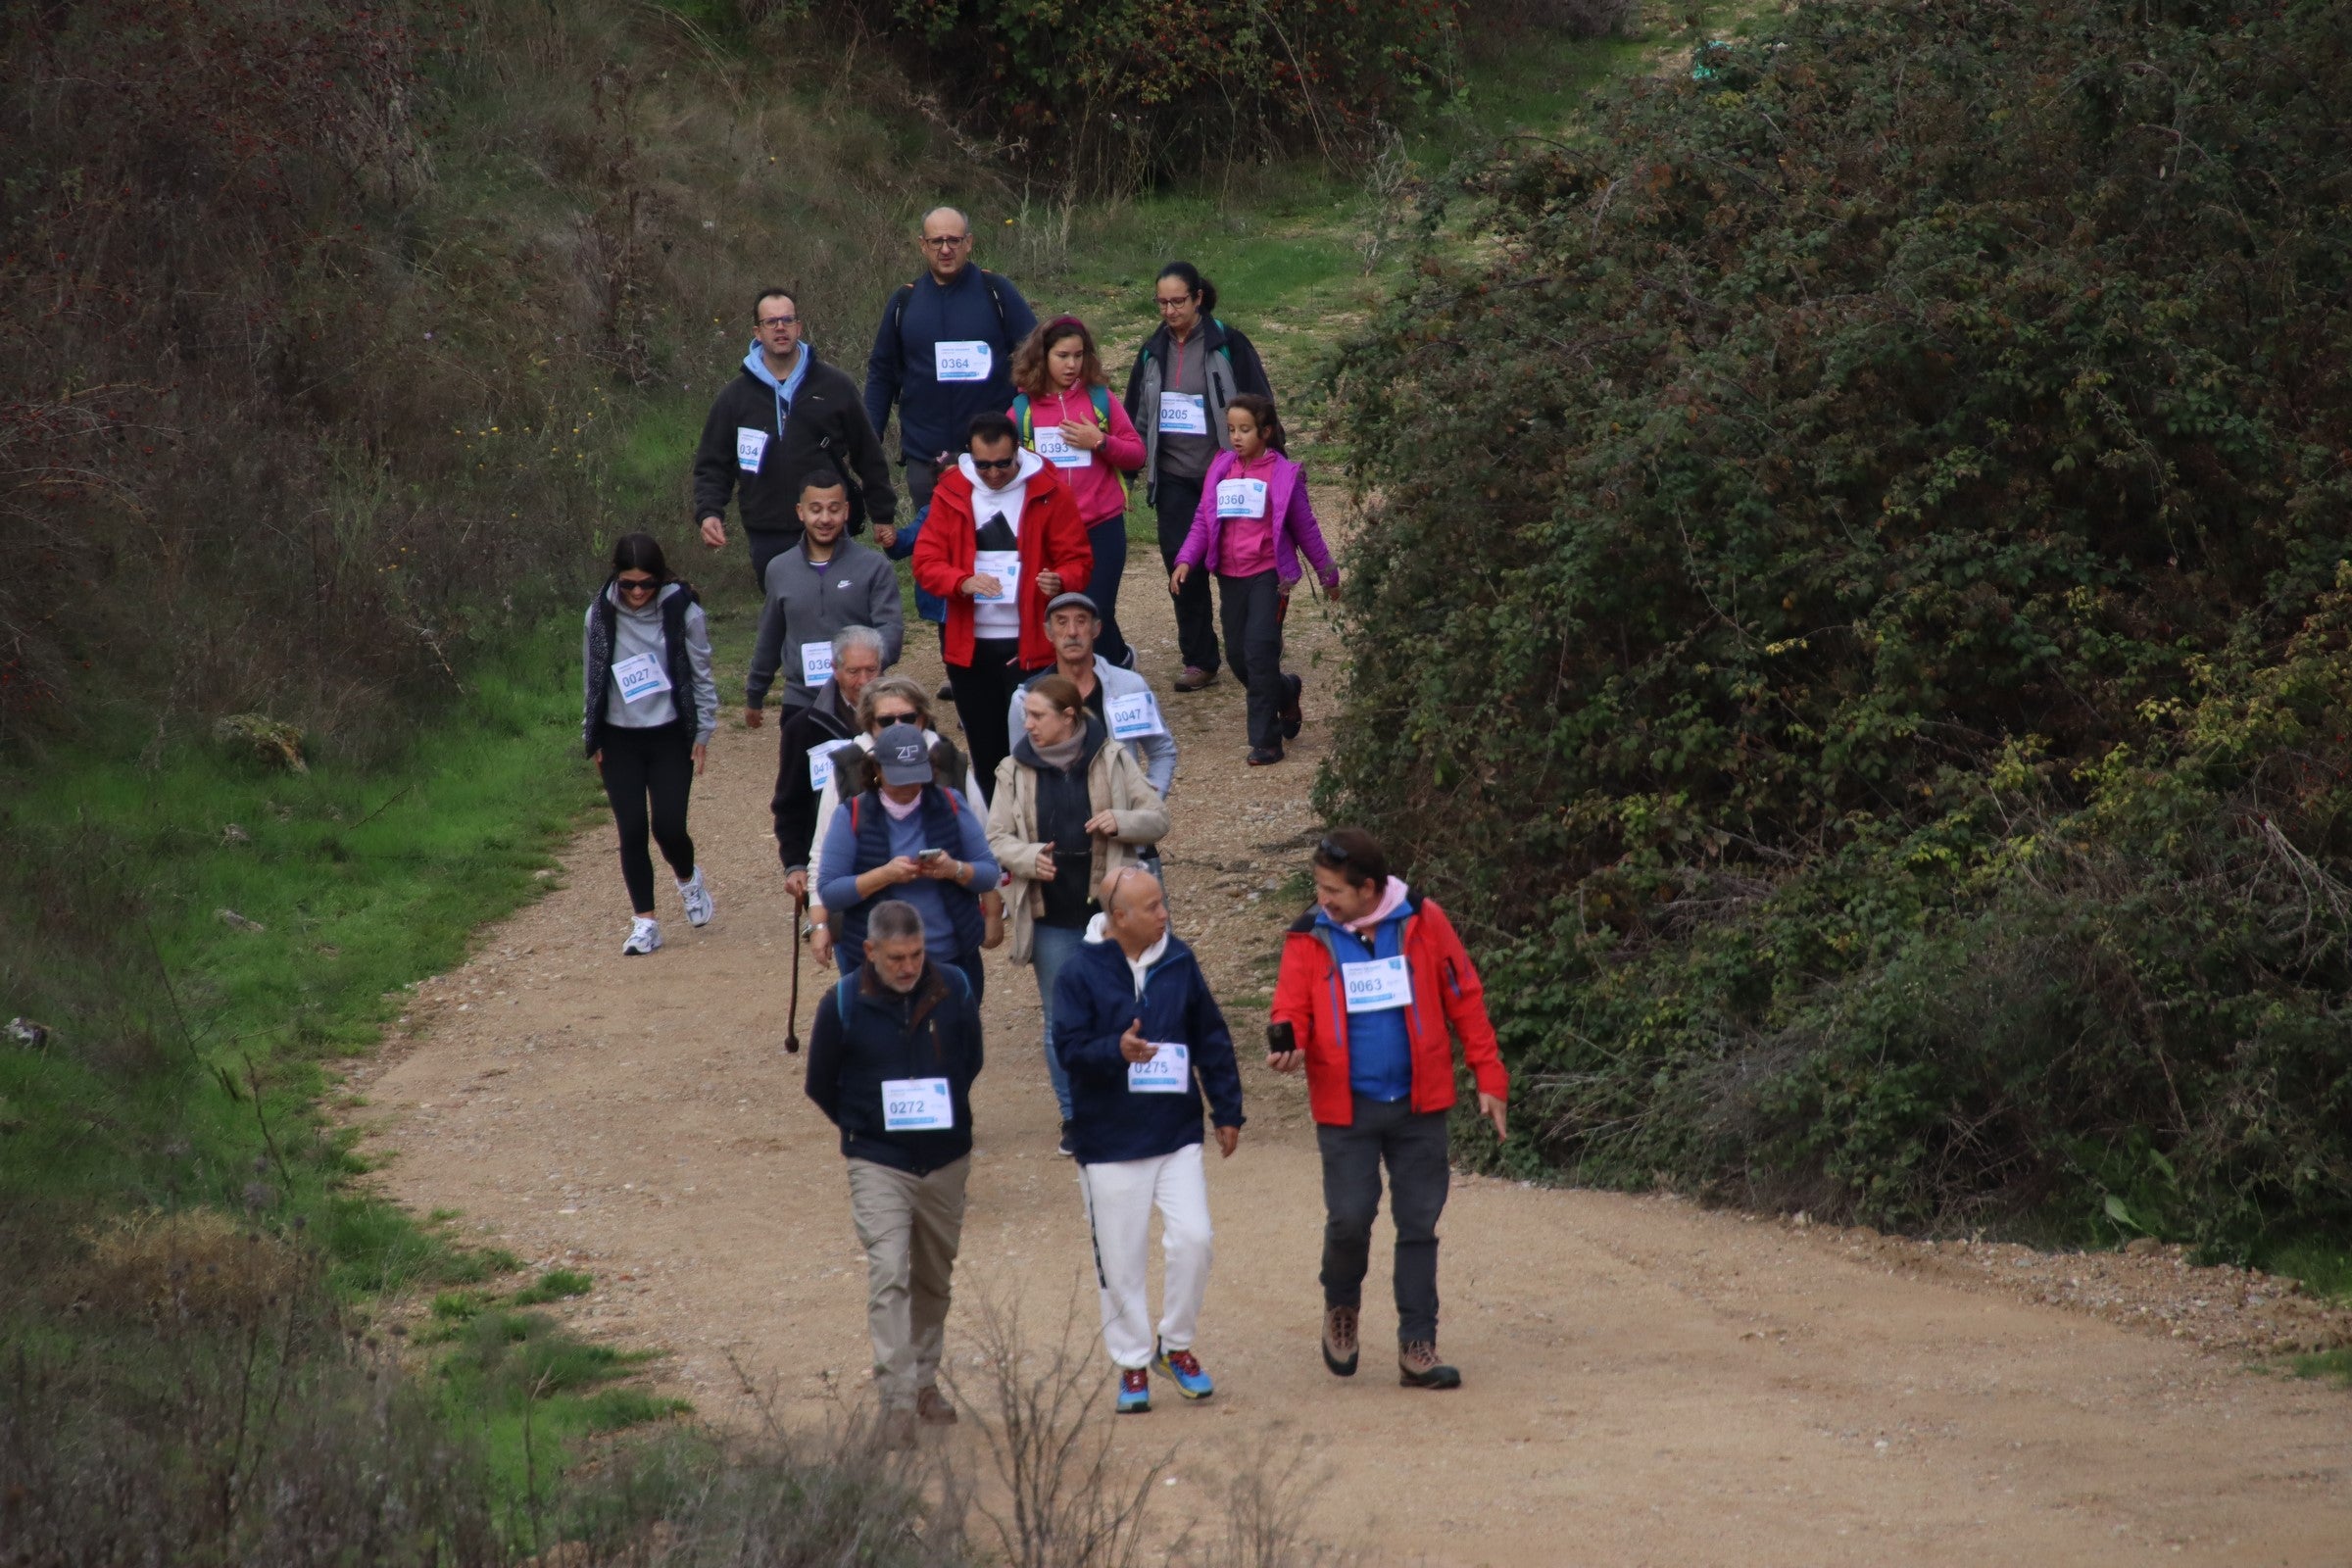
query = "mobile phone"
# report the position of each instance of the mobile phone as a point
(1281, 1038)
(932, 855)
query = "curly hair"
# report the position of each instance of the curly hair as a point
(1029, 371)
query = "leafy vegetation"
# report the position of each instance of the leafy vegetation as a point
(1854, 598)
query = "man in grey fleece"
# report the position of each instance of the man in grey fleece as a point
(1120, 698)
(823, 584)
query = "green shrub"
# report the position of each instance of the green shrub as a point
(1850, 609)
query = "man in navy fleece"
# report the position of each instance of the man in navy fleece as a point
(944, 351)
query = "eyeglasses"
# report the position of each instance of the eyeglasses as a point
(947, 242)
(994, 464)
(767, 322)
(637, 585)
(1169, 305)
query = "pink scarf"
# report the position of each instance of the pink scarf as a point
(900, 814)
(1390, 901)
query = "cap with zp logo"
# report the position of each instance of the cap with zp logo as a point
(904, 755)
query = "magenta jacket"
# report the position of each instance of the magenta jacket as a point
(1295, 530)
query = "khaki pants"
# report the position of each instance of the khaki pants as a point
(910, 1227)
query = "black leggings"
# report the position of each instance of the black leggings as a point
(1252, 610)
(984, 691)
(655, 764)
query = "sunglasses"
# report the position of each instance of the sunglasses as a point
(994, 464)
(637, 585)
(884, 721)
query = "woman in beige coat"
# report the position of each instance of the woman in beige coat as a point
(1069, 808)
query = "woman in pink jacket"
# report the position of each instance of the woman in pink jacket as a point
(1066, 414)
(1253, 523)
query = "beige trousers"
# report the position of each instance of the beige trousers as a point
(910, 1227)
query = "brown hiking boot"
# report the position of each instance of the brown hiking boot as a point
(1339, 1347)
(1193, 678)
(935, 1407)
(1418, 1367)
(895, 1433)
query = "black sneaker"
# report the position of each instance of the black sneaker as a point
(1069, 1150)
(945, 693)
(1292, 718)
(1264, 756)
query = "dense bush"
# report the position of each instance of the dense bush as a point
(1118, 93)
(1851, 606)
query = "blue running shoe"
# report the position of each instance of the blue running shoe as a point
(1181, 1365)
(1135, 1392)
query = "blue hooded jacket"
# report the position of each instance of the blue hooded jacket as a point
(1093, 1005)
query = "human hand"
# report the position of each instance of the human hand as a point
(1490, 1107)
(1132, 1046)
(795, 883)
(1049, 583)
(1331, 588)
(715, 532)
(1285, 1060)
(941, 866)
(1044, 863)
(1085, 437)
(1229, 1139)
(886, 537)
(982, 585)
(1103, 825)
(753, 717)
(598, 757)
(899, 868)
(1176, 578)
(701, 755)
(821, 944)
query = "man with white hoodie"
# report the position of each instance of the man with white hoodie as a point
(1003, 538)
(1141, 1037)
(787, 413)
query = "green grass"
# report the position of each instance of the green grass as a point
(556, 1285)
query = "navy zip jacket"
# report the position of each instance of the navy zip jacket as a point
(1093, 1006)
(930, 1032)
(936, 416)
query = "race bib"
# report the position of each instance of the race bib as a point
(821, 765)
(1241, 498)
(750, 446)
(916, 1105)
(640, 678)
(1003, 565)
(1183, 414)
(1056, 448)
(1168, 1072)
(961, 362)
(1377, 984)
(1134, 715)
(817, 664)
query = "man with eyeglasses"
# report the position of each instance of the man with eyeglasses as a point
(944, 351)
(787, 415)
(1002, 540)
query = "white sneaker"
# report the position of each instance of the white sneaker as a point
(644, 937)
(697, 899)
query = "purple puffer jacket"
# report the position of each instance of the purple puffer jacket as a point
(1294, 527)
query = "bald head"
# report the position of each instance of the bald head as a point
(1135, 910)
(947, 242)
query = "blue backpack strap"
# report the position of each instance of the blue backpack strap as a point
(843, 990)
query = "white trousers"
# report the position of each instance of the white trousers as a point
(1119, 1202)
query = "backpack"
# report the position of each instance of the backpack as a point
(898, 308)
(1020, 413)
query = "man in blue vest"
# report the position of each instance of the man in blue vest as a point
(890, 1061)
(898, 835)
(943, 351)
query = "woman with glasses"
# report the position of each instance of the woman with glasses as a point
(651, 704)
(1003, 537)
(1187, 373)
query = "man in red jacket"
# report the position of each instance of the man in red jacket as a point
(1373, 980)
(1003, 538)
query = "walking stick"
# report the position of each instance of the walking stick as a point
(792, 1018)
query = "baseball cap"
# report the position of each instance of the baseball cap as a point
(1073, 601)
(905, 756)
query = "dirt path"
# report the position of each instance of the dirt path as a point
(1646, 1382)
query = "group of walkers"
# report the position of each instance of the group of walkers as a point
(912, 857)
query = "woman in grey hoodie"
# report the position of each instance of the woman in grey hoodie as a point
(649, 706)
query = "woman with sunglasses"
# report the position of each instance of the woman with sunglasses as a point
(1003, 537)
(651, 704)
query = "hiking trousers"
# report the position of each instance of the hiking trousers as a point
(1412, 1144)
(910, 1227)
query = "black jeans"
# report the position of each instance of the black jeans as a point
(1196, 624)
(984, 691)
(655, 764)
(1109, 537)
(1252, 607)
(1414, 1147)
(922, 475)
(766, 545)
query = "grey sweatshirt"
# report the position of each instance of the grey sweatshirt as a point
(639, 631)
(809, 603)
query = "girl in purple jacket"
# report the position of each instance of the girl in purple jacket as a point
(1253, 523)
